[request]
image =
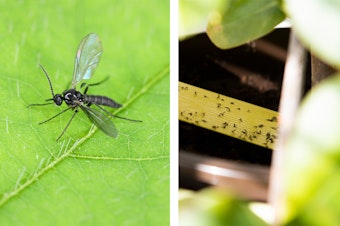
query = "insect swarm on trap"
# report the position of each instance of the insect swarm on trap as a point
(87, 58)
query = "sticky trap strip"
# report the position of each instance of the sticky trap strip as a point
(226, 115)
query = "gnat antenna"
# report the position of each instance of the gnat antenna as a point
(48, 78)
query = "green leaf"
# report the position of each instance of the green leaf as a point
(194, 15)
(312, 163)
(88, 178)
(240, 21)
(316, 22)
(215, 207)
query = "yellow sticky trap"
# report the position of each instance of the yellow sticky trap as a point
(227, 115)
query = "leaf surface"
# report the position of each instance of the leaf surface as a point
(87, 178)
(240, 21)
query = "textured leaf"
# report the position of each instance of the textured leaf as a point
(88, 178)
(317, 24)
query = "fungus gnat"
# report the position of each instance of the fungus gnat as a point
(86, 61)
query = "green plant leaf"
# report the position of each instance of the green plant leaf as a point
(87, 178)
(240, 21)
(194, 15)
(215, 207)
(312, 166)
(316, 23)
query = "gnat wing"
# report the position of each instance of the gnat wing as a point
(87, 58)
(100, 120)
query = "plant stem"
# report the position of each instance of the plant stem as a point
(292, 88)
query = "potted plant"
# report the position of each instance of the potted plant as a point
(305, 154)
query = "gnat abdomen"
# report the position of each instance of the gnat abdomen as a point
(100, 100)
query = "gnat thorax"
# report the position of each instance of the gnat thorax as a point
(72, 97)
